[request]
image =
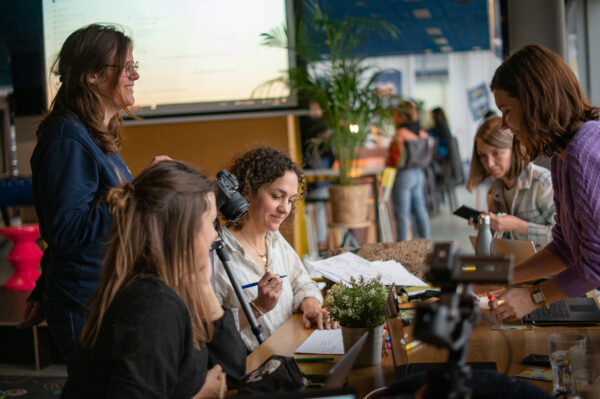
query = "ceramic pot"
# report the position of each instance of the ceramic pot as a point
(371, 352)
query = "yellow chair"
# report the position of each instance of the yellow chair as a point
(385, 217)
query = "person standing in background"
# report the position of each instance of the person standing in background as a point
(408, 192)
(76, 160)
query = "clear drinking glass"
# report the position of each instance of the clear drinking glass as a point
(563, 347)
(585, 371)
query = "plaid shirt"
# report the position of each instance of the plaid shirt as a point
(533, 202)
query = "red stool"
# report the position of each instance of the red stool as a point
(24, 256)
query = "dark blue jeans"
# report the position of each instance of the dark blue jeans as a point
(65, 327)
(409, 198)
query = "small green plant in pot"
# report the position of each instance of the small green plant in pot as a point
(360, 307)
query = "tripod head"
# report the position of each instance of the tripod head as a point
(448, 323)
(232, 206)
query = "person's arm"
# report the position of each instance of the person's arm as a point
(270, 287)
(541, 234)
(67, 187)
(503, 223)
(544, 263)
(228, 350)
(515, 303)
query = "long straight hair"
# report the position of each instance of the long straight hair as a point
(156, 220)
(88, 51)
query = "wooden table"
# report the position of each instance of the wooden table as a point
(486, 345)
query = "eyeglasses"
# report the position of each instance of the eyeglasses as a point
(129, 67)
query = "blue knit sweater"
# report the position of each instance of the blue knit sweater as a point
(70, 175)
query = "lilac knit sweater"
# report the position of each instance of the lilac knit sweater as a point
(576, 235)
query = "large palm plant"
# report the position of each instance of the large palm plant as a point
(342, 83)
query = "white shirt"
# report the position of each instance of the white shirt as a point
(283, 260)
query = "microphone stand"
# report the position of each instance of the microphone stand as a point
(256, 328)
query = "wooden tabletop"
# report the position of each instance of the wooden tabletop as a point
(486, 345)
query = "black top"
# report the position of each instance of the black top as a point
(145, 349)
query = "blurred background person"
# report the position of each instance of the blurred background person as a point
(408, 193)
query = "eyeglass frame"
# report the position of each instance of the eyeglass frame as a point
(129, 67)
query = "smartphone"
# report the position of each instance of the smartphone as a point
(467, 213)
(537, 360)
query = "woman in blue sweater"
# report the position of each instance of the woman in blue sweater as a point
(75, 161)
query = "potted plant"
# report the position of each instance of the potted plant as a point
(359, 307)
(342, 83)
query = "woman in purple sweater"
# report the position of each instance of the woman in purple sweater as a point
(542, 103)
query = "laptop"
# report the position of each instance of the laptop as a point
(519, 248)
(575, 311)
(336, 378)
(399, 353)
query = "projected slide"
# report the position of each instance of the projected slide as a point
(195, 55)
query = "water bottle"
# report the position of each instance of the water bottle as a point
(484, 236)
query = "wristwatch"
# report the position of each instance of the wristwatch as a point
(538, 296)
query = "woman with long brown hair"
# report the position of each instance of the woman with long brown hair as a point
(76, 160)
(155, 326)
(544, 106)
(519, 199)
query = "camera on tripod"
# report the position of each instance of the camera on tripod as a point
(448, 323)
(230, 202)
(232, 206)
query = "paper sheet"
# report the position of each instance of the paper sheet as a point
(323, 342)
(342, 267)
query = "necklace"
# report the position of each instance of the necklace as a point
(263, 257)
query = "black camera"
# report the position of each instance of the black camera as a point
(229, 200)
(448, 322)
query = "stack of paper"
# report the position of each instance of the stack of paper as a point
(342, 267)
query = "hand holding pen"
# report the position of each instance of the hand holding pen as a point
(269, 290)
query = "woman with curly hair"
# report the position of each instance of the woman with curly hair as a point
(269, 180)
(76, 160)
(155, 327)
(543, 105)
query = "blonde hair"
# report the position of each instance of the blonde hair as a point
(156, 220)
(491, 133)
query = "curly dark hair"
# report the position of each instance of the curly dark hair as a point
(260, 166)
